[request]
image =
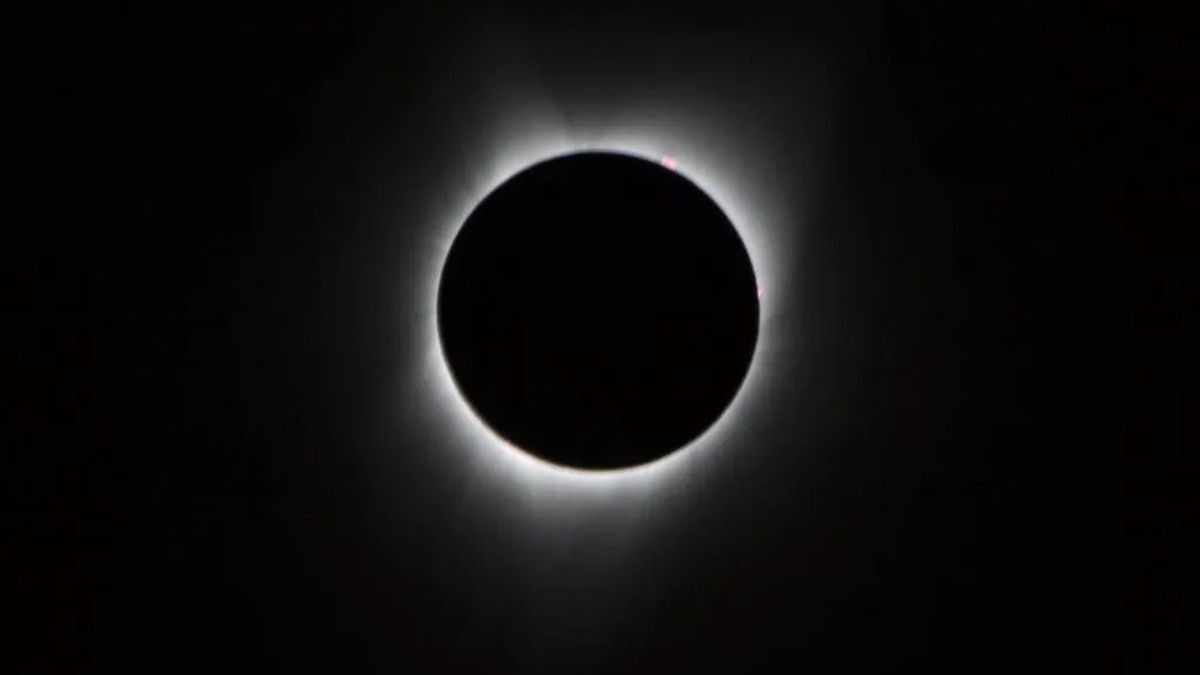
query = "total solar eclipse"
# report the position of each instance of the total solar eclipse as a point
(598, 310)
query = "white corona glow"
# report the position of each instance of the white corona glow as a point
(721, 171)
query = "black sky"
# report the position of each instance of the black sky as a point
(978, 456)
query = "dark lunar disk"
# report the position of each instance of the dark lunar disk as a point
(598, 311)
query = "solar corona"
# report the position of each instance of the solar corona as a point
(730, 172)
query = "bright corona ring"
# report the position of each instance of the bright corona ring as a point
(486, 448)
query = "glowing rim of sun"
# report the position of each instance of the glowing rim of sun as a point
(484, 448)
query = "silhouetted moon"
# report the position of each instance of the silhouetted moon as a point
(598, 310)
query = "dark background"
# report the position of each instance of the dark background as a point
(978, 457)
